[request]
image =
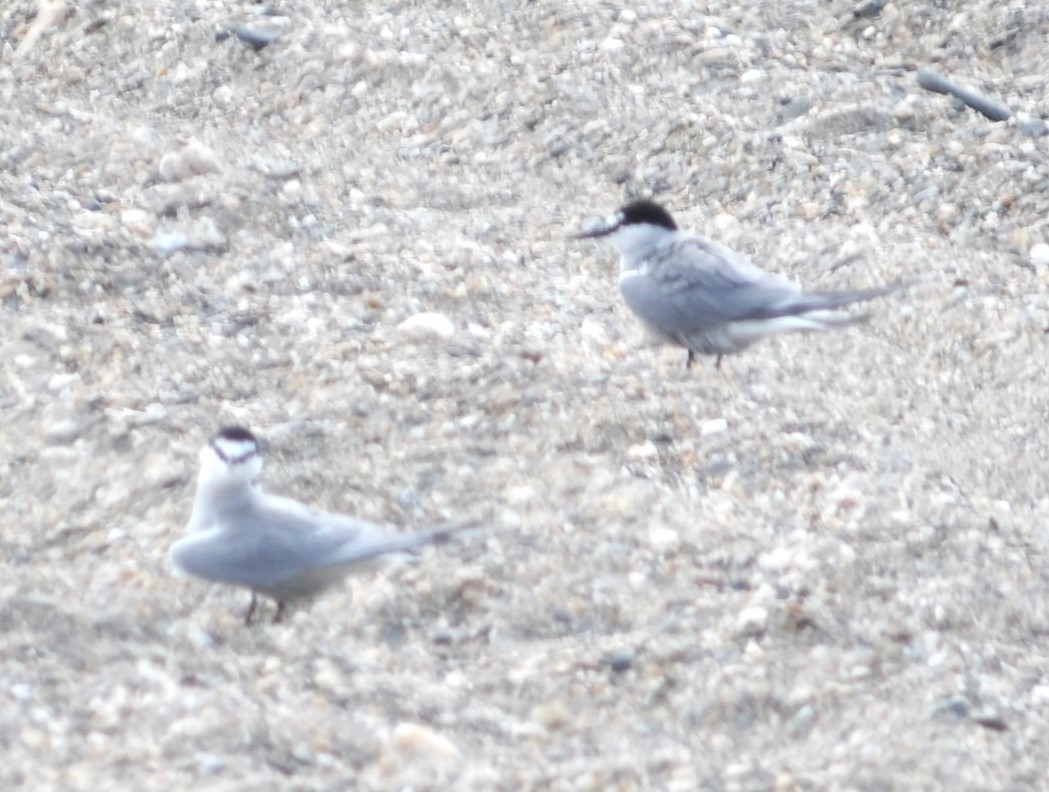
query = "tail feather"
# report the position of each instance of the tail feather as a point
(810, 302)
(745, 333)
(825, 319)
(398, 543)
(802, 313)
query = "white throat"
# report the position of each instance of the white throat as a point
(219, 479)
(635, 243)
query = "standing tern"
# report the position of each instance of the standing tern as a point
(273, 546)
(695, 293)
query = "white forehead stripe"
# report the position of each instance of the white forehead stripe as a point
(234, 451)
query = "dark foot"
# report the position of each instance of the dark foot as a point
(717, 363)
(279, 615)
(690, 360)
(251, 609)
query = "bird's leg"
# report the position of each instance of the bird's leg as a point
(251, 610)
(279, 614)
(690, 360)
(717, 363)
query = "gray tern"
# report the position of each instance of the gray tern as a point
(695, 293)
(274, 546)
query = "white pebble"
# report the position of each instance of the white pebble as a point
(223, 95)
(1040, 254)
(645, 450)
(713, 426)
(64, 431)
(552, 714)
(753, 620)
(418, 742)
(211, 764)
(138, 221)
(594, 331)
(60, 381)
(23, 691)
(200, 639)
(167, 242)
(520, 494)
(725, 223)
(427, 325)
(1040, 695)
(779, 559)
(663, 538)
(193, 159)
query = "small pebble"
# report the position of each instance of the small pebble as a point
(1033, 127)
(191, 159)
(1040, 254)
(211, 764)
(663, 538)
(713, 426)
(64, 432)
(551, 714)
(620, 660)
(645, 450)
(412, 740)
(427, 325)
(167, 242)
(257, 36)
(991, 719)
(956, 706)
(753, 620)
(138, 221)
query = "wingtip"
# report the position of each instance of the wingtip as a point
(446, 533)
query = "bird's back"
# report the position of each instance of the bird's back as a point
(267, 542)
(694, 283)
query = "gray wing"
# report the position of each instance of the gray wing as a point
(697, 284)
(276, 541)
(264, 545)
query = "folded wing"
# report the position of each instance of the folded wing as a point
(698, 284)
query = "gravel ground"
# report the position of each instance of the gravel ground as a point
(820, 567)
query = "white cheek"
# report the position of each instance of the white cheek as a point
(217, 473)
(629, 239)
(253, 468)
(213, 471)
